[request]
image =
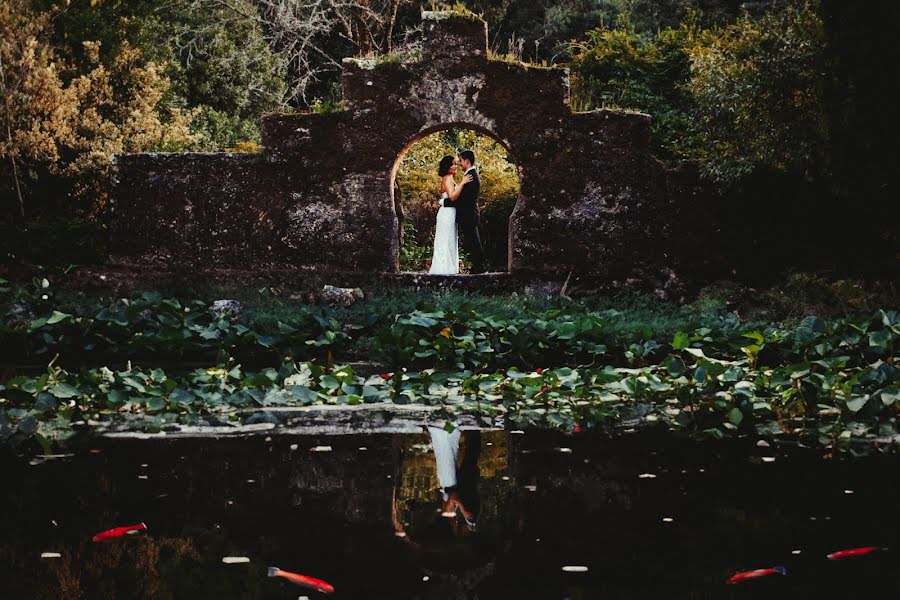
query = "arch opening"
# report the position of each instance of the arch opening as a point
(415, 194)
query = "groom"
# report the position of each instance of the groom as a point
(467, 214)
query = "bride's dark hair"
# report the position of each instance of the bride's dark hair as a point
(444, 166)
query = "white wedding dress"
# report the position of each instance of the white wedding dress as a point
(445, 260)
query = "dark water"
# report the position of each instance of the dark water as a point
(335, 515)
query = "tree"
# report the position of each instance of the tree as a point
(619, 68)
(757, 87)
(223, 65)
(28, 81)
(310, 37)
(67, 122)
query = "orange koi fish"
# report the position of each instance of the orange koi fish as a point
(116, 532)
(747, 575)
(854, 552)
(303, 580)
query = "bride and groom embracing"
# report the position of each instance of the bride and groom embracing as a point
(459, 209)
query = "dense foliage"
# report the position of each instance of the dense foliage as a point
(567, 365)
(740, 97)
(64, 119)
(618, 68)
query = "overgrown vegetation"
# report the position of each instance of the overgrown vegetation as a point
(549, 362)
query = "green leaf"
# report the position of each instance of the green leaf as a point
(64, 390)
(735, 416)
(890, 394)
(116, 398)
(155, 404)
(329, 382)
(36, 324)
(302, 393)
(134, 383)
(28, 425)
(182, 397)
(880, 338)
(700, 375)
(371, 392)
(681, 341)
(855, 404)
(57, 316)
(267, 340)
(45, 402)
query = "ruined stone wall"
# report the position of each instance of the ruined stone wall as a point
(320, 193)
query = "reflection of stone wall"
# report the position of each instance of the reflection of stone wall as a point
(319, 195)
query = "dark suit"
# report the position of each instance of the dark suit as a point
(469, 221)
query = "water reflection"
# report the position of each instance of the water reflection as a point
(461, 514)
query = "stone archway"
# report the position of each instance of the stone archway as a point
(481, 131)
(319, 197)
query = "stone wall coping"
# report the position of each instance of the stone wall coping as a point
(614, 112)
(368, 63)
(142, 156)
(442, 15)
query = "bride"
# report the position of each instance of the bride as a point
(445, 260)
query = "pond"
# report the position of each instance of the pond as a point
(539, 515)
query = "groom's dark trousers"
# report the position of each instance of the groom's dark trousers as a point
(469, 222)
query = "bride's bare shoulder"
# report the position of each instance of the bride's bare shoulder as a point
(447, 183)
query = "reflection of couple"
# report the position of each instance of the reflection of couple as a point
(454, 491)
(459, 483)
(459, 207)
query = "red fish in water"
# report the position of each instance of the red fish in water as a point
(309, 582)
(746, 575)
(116, 532)
(854, 552)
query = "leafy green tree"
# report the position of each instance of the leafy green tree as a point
(619, 68)
(757, 87)
(215, 54)
(225, 66)
(62, 121)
